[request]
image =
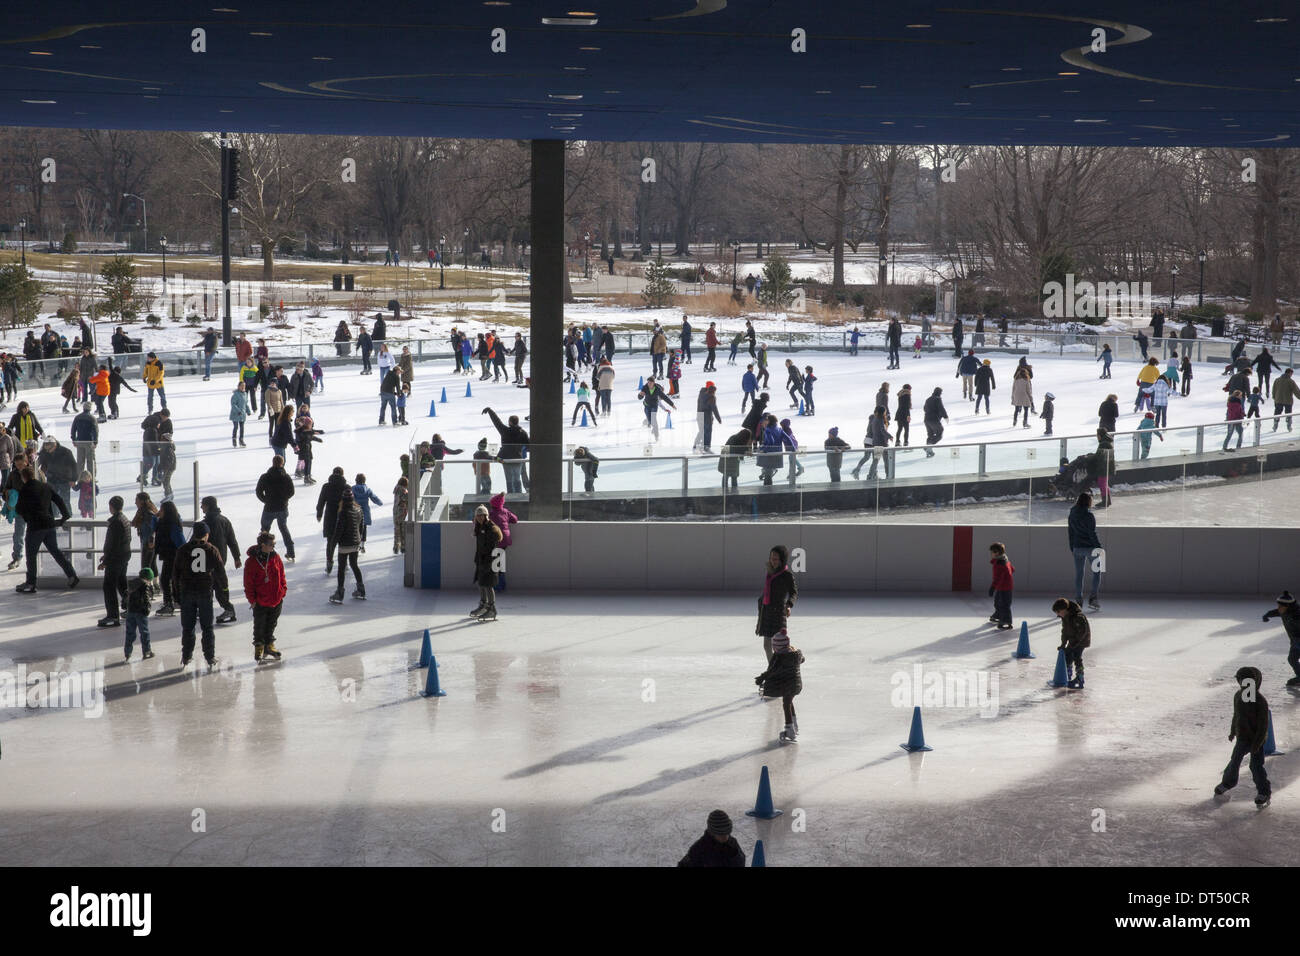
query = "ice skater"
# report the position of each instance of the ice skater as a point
(264, 587)
(782, 679)
(1076, 636)
(1105, 358)
(717, 848)
(1289, 612)
(487, 538)
(1249, 730)
(1048, 412)
(777, 600)
(1002, 586)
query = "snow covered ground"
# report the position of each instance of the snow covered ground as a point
(601, 732)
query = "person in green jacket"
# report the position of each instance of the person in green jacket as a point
(1148, 428)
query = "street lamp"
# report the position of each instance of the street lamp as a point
(144, 206)
(1200, 287)
(1173, 280)
(735, 265)
(586, 255)
(442, 282)
(22, 226)
(162, 243)
(467, 255)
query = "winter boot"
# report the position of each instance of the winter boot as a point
(270, 653)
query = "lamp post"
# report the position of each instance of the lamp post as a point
(22, 227)
(586, 255)
(1200, 286)
(162, 244)
(467, 255)
(735, 265)
(1173, 281)
(884, 280)
(144, 207)
(442, 282)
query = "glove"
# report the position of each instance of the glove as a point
(1265, 619)
(990, 590)
(759, 680)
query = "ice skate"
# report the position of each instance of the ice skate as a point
(1261, 800)
(1220, 790)
(1076, 683)
(270, 652)
(490, 614)
(359, 594)
(1094, 604)
(257, 652)
(167, 610)
(213, 663)
(337, 597)
(12, 564)
(788, 735)
(227, 617)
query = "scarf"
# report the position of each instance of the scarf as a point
(767, 583)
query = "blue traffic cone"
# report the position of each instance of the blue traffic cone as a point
(1270, 744)
(443, 400)
(1061, 677)
(669, 423)
(572, 385)
(915, 737)
(433, 409)
(1022, 649)
(753, 507)
(501, 582)
(801, 406)
(641, 384)
(583, 424)
(431, 688)
(764, 809)
(760, 858)
(426, 650)
(468, 393)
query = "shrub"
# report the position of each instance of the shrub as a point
(1210, 310)
(1252, 318)
(119, 278)
(69, 242)
(659, 290)
(264, 310)
(20, 295)
(153, 319)
(777, 291)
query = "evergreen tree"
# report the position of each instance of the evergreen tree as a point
(777, 291)
(659, 290)
(119, 278)
(20, 295)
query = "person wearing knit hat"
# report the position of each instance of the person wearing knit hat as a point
(1289, 612)
(347, 537)
(782, 679)
(139, 594)
(985, 383)
(835, 448)
(1249, 730)
(1049, 412)
(717, 847)
(706, 413)
(789, 441)
(487, 539)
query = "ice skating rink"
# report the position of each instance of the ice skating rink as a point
(602, 729)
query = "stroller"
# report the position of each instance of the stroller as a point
(1074, 478)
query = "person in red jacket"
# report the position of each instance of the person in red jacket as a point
(1003, 583)
(711, 343)
(265, 589)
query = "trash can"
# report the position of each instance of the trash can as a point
(338, 282)
(1217, 326)
(348, 282)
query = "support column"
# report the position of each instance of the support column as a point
(546, 315)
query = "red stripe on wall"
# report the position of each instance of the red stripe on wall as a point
(962, 537)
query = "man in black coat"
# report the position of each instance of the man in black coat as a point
(935, 416)
(221, 535)
(717, 848)
(37, 504)
(85, 436)
(511, 453)
(1250, 731)
(327, 512)
(274, 489)
(1289, 612)
(365, 345)
(114, 561)
(958, 335)
(757, 411)
(388, 389)
(380, 333)
(196, 573)
(60, 467)
(894, 338)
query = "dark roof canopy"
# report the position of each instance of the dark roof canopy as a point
(1194, 72)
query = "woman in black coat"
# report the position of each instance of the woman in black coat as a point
(778, 597)
(487, 538)
(1108, 413)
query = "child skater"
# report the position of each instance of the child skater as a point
(1075, 636)
(402, 396)
(916, 348)
(1049, 412)
(1250, 731)
(781, 679)
(317, 376)
(1002, 586)
(86, 490)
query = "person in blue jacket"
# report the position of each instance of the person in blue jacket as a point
(748, 385)
(1105, 358)
(364, 497)
(966, 369)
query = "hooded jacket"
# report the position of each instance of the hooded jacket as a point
(274, 489)
(501, 516)
(264, 584)
(85, 428)
(117, 541)
(347, 526)
(221, 534)
(934, 410)
(1250, 717)
(194, 575)
(984, 380)
(1075, 632)
(35, 498)
(327, 503)
(363, 497)
(782, 677)
(968, 365)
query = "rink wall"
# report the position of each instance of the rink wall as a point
(663, 557)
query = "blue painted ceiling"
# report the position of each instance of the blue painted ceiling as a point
(1173, 73)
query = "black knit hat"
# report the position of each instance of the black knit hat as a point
(1285, 598)
(719, 824)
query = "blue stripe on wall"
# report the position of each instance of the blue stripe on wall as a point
(430, 554)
